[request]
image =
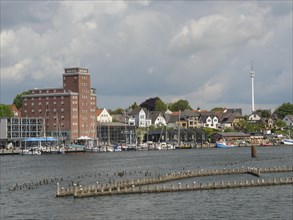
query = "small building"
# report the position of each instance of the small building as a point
(254, 117)
(116, 133)
(103, 115)
(16, 129)
(140, 117)
(288, 120)
(157, 118)
(229, 136)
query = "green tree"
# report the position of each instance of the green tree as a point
(133, 106)
(118, 111)
(5, 111)
(217, 109)
(263, 113)
(154, 104)
(18, 99)
(180, 105)
(160, 105)
(281, 124)
(284, 109)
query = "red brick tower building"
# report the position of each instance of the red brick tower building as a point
(69, 110)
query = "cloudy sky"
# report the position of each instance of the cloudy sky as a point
(193, 50)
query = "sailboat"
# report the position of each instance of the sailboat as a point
(57, 148)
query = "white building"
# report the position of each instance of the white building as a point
(140, 117)
(103, 115)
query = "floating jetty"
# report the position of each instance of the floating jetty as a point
(146, 185)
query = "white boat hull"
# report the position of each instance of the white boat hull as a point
(288, 141)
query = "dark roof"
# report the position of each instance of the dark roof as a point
(172, 118)
(119, 117)
(234, 110)
(229, 117)
(137, 110)
(232, 134)
(153, 115)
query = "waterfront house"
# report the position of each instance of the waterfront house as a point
(231, 120)
(268, 122)
(254, 117)
(208, 119)
(103, 115)
(171, 120)
(191, 117)
(157, 118)
(288, 120)
(141, 117)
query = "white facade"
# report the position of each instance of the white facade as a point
(160, 121)
(104, 116)
(140, 119)
(211, 122)
(254, 117)
(288, 120)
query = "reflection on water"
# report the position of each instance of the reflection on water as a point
(39, 201)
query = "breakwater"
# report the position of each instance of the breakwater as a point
(146, 185)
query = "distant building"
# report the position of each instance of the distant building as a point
(288, 120)
(70, 109)
(16, 129)
(16, 112)
(103, 115)
(254, 117)
(116, 133)
(140, 118)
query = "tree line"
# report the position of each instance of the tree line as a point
(155, 104)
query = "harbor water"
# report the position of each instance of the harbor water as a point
(28, 185)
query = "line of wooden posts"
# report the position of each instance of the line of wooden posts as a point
(146, 185)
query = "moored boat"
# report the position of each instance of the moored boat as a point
(224, 144)
(287, 141)
(31, 151)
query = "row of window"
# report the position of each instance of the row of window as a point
(40, 98)
(47, 103)
(47, 110)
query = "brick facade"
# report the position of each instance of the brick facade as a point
(69, 110)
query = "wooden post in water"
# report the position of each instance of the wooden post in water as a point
(253, 151)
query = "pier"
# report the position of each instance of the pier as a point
(147, 185)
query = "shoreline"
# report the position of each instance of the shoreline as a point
(17, 151)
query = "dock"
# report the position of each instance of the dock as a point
(12, 152)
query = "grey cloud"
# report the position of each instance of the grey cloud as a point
(139, 51)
